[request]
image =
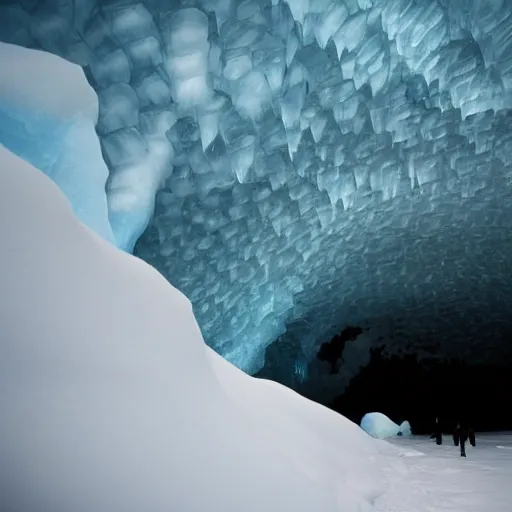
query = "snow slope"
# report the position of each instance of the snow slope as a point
(111, 400)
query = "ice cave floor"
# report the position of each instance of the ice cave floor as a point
(439, 480)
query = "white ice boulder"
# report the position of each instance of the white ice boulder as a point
(378, 425)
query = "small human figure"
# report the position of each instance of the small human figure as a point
(461, 435)
(472, 437)
(459, 438)
(438, 433)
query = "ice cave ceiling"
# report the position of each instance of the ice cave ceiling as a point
(305, 165)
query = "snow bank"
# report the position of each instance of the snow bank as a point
(111, 400)
(48, 114)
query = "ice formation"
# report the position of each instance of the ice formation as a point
(378, 425)
(111, 400)
(314, 159)
(47, 117)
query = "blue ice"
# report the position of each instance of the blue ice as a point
(68, 153)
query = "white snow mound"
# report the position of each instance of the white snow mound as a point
(106, 408)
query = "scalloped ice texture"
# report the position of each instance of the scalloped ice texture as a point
(298, 143)
(94, 416)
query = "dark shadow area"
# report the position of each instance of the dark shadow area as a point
(408, 362)
(332, 351)
(405, 388)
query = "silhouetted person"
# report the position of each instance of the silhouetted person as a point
(459, 438)
(438, 433)
(472, 437)
(461, 435)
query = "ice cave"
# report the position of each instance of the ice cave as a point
(230, 229)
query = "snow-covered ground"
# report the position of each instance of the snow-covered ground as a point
(439, 480)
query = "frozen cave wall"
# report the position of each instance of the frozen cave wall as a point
(303, 165)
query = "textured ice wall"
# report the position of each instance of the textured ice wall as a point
(324, 143)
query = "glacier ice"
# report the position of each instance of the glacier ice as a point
(91, 388)
(186, 38)
(48, 114)
(53, 128)
(295, 141)
(378, 425)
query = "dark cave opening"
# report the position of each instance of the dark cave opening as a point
(429, 379)
(407, 388)
(332, 351)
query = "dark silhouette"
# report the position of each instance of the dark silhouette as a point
(461, 435)
(379, 386)
(472, 437)
(438, 433)
(332, 351)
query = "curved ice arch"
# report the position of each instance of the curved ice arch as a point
(359, 103)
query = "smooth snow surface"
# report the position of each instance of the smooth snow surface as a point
(430, 478)
(48, 114)
(112, 402)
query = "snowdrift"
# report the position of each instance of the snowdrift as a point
(111, 401)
